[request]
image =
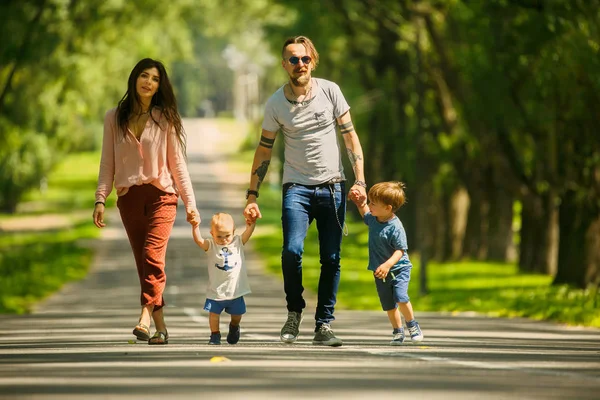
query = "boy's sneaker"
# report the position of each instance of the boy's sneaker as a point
(415, 331)
(325, 336)
(234, 334)
(398, 337)
(215, 338)
(291, 328)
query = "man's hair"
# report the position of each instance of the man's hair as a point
(388, 193)
(308, 44)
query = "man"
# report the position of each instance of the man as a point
(306, 111)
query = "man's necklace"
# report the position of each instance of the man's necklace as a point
(304, 99)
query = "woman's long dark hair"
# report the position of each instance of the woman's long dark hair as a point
(164, 99)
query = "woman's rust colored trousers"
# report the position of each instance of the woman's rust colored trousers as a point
(148, 215)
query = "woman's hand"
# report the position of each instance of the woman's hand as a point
(99, 215)
(193, 217)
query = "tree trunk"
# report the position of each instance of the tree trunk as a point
(445, 234)
(474, 242)
(538, 246)
(574, 222)
(460, 209)
(500, 222)
(592, 275)
(408, 216)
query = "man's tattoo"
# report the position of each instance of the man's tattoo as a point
(266, 142)
(261, 172)
(346, 128)
(353, 158)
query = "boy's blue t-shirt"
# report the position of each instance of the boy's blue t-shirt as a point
(384, 239)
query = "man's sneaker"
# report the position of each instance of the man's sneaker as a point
(215, 338)
(291, 328)
(415, 331)
(398, 337)
(325, 336)
(234, 334)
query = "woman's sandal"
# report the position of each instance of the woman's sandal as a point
(159, 338)
(142, 332)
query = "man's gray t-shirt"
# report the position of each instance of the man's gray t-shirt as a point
(312, 152)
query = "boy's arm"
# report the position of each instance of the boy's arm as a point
(248, 232)
(382, 271)
(203, 244)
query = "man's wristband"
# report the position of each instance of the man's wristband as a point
(251, 192)
(98, 202)
(361, 183)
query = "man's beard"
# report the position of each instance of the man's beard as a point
(301, 80)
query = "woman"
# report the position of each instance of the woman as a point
(143, 153)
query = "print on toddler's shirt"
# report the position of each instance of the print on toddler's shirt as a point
(225, 252)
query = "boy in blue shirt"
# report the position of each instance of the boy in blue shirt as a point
(388, 258)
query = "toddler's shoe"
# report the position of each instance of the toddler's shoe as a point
(398, 337)
(416, 335)
(234, 334)
(215, 338)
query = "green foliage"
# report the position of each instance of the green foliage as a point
(24, 161)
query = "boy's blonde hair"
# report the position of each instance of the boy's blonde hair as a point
(222, 219)
(388, 193)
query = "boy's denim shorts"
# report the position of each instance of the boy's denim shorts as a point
(232, 307)
(393, 290)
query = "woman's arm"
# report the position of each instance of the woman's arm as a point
(178, 168)
(106, 174)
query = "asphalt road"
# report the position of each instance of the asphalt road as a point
(76, 345)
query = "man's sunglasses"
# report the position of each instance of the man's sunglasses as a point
(295, 60)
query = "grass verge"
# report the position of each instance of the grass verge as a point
(36, 260)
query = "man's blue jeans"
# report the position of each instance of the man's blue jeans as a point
(301, 205)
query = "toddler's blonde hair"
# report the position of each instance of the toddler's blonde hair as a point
(222, 220)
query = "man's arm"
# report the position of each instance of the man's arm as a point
(260, 166)
(355, 152)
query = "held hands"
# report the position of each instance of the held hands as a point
(99, 215)
(358, 195)
(193, 217)
(252, 213)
